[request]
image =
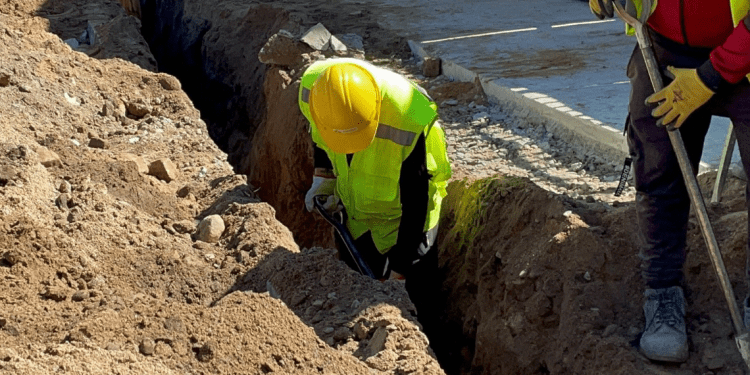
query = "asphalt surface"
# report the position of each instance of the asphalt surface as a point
(553, 51)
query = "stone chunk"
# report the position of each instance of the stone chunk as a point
(362, 329)
(72, 99)
(184, 226)
(6, 175)
(342, 334)
(113, 108)
(98, 143)
(210, 229)
(337, 45)
(169, 83)
(48, 158)
(14, 257)
(4, 79)
(147, 346)
(65, 187)
(352, 41)
(56, 293)
(63, 201)
(138, 110)
(431, 66)
(163, 169)
(183, 191)
(140, 164)
(318, 37)
(80, 295)
(377, 342)
(205, 353)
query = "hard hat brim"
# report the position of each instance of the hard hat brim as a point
(350, 143)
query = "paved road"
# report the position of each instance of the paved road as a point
(549, 50)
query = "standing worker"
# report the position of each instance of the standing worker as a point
(703, 50)
(380, 150)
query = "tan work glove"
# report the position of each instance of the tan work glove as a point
(602, 8)
(679, 99)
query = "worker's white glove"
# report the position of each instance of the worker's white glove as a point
(333, 204)
(320, 186)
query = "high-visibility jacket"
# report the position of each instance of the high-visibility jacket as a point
(740, 8)
(729, 62)
(369, 187)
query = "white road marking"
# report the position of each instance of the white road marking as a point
(581, 23)
(478, 35)
(539, 97)
(512, 31)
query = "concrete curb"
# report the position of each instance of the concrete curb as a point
(606, 142)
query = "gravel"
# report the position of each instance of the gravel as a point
(483, 141)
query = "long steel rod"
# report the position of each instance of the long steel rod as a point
(724, 163)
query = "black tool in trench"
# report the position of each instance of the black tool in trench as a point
(742, 337)
(338, 220)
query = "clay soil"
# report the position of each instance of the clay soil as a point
(107, 169)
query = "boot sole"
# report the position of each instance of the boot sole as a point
(666, 359)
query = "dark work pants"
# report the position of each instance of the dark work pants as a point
(422, 280)
(662, 201)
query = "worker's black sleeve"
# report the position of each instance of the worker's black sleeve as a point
(414, 185)
(320, 158)
(712, 78)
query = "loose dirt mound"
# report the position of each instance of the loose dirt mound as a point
(106, 170)
(540, 283)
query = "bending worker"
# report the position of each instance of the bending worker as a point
(380, 150)
(703, 49)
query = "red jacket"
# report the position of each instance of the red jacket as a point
(707, 23)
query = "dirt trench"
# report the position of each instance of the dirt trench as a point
(537, 283)
(250, 107)
(106, 172)
(213, 50)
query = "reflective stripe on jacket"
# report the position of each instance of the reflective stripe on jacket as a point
(369, 187)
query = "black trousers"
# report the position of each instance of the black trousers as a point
(422, 279)
(662, 201)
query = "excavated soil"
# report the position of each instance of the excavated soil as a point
(108, 172)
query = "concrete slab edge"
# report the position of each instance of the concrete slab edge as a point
(585, 136)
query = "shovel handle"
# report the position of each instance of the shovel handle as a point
(343, 231)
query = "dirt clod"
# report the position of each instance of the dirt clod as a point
(163, 169)
(98, 143)
(147, 346)
(205, 352)
(138, 110)
(48, 158)
(169, 83)
(4, 79)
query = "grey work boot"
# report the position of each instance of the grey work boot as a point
(665, 338)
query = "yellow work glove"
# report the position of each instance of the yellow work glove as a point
(683, 96)
(602, 8)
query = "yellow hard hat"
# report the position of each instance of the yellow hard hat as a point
(345, 106)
